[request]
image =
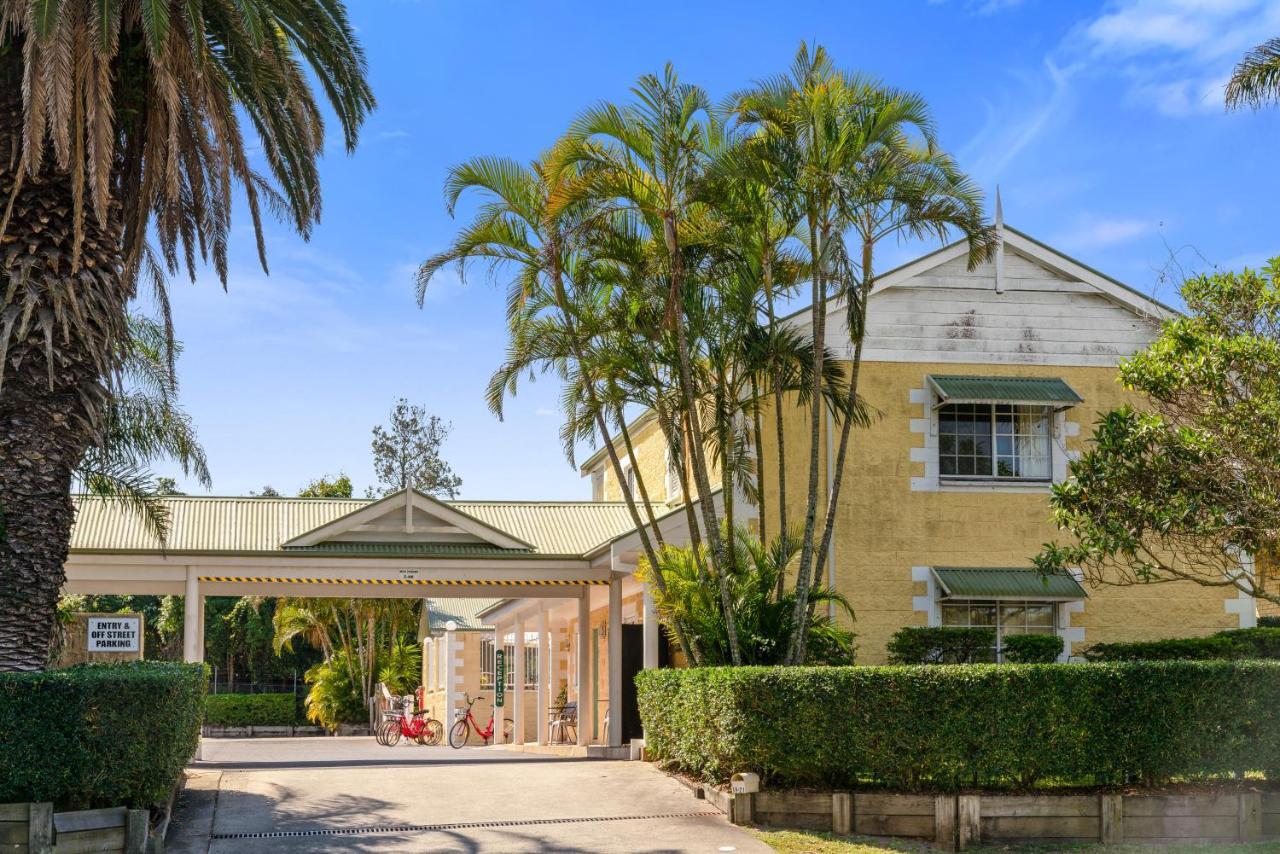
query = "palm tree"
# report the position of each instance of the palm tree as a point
(144, 423)
(1256, 80)
(868, 168)
(550, 296)
(645, 160)
(120, 122)
(902, 189)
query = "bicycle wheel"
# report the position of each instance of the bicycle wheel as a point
(432, 732)
(458, 734)
(390, 732)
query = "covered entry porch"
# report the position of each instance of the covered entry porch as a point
(562, 574)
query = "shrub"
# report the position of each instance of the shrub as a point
(941, 645)
(99, 734)
(1261, 642)
(1032, 649)
(1170, 649)
(1269, 622)
(250, 710)
(944, 727)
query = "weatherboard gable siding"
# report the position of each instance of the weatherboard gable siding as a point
(1050, 310)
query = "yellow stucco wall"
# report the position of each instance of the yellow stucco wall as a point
(883, 528)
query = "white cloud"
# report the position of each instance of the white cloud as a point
(1007, 133)
(1176, 54)
(1097, 233)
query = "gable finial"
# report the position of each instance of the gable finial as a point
(999, 259)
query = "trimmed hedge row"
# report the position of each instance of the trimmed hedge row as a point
(250, 710)
(1032, 649)
(946, 727)
(99, 735)
(940, 645)
(1261, 642)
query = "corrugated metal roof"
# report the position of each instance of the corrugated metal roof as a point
(1006, 583)
(1013, 389)
(464, 612)
(207, 524)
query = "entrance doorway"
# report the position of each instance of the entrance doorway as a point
(633, 663)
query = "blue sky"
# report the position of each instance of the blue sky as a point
(1101, 122)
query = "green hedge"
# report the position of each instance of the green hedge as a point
(250, 710)
(945, 727)
(1262, 642)
(1032, 649)
(99, 734)
(941, 645)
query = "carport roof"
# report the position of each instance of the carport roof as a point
(252, 525)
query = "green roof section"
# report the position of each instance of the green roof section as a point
(1048, 390)
(1005, 583)
(465, 612)
(239, 525)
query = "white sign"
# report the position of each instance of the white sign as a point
(115, 634)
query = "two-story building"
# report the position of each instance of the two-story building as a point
(986, 383)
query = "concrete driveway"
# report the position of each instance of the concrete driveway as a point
(349, 794)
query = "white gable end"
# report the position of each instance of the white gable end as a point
(1048, 311)
(408, 517)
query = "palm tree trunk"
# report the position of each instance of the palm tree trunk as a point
(757, 436)
(778, 423)
(697, 453)
(728, 565)
(46, 410)
(795, 651)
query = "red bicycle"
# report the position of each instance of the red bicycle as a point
(460, 732)
(415, 725)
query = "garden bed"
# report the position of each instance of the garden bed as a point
(962, 821)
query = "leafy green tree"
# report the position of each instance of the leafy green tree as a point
(1256, 80)
(122, 151)
(1186, 484)
(406, 453)
(326, 487)
(167, 486)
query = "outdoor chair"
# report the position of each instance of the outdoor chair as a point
(562, 720)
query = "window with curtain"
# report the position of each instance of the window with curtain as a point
(1007, 618)
(997, 441)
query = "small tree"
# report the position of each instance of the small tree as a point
(406, 453)
(1187, 486)
(324, 487)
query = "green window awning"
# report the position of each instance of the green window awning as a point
(1005, 583)
(1051, 391)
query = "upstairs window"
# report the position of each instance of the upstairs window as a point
(995, 440)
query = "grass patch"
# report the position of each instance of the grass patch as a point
(810, 842)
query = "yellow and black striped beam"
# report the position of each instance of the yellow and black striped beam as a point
(459, 582)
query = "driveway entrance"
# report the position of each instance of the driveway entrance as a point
(349, 794)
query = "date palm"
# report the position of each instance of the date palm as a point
(122, 121)
(1256, 80)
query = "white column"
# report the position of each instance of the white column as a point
(652, 635)
(192, 637)
(615, 661)
(544, 675)
(200, 598)
(446, 673)
(517, 707)
(584, 667)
